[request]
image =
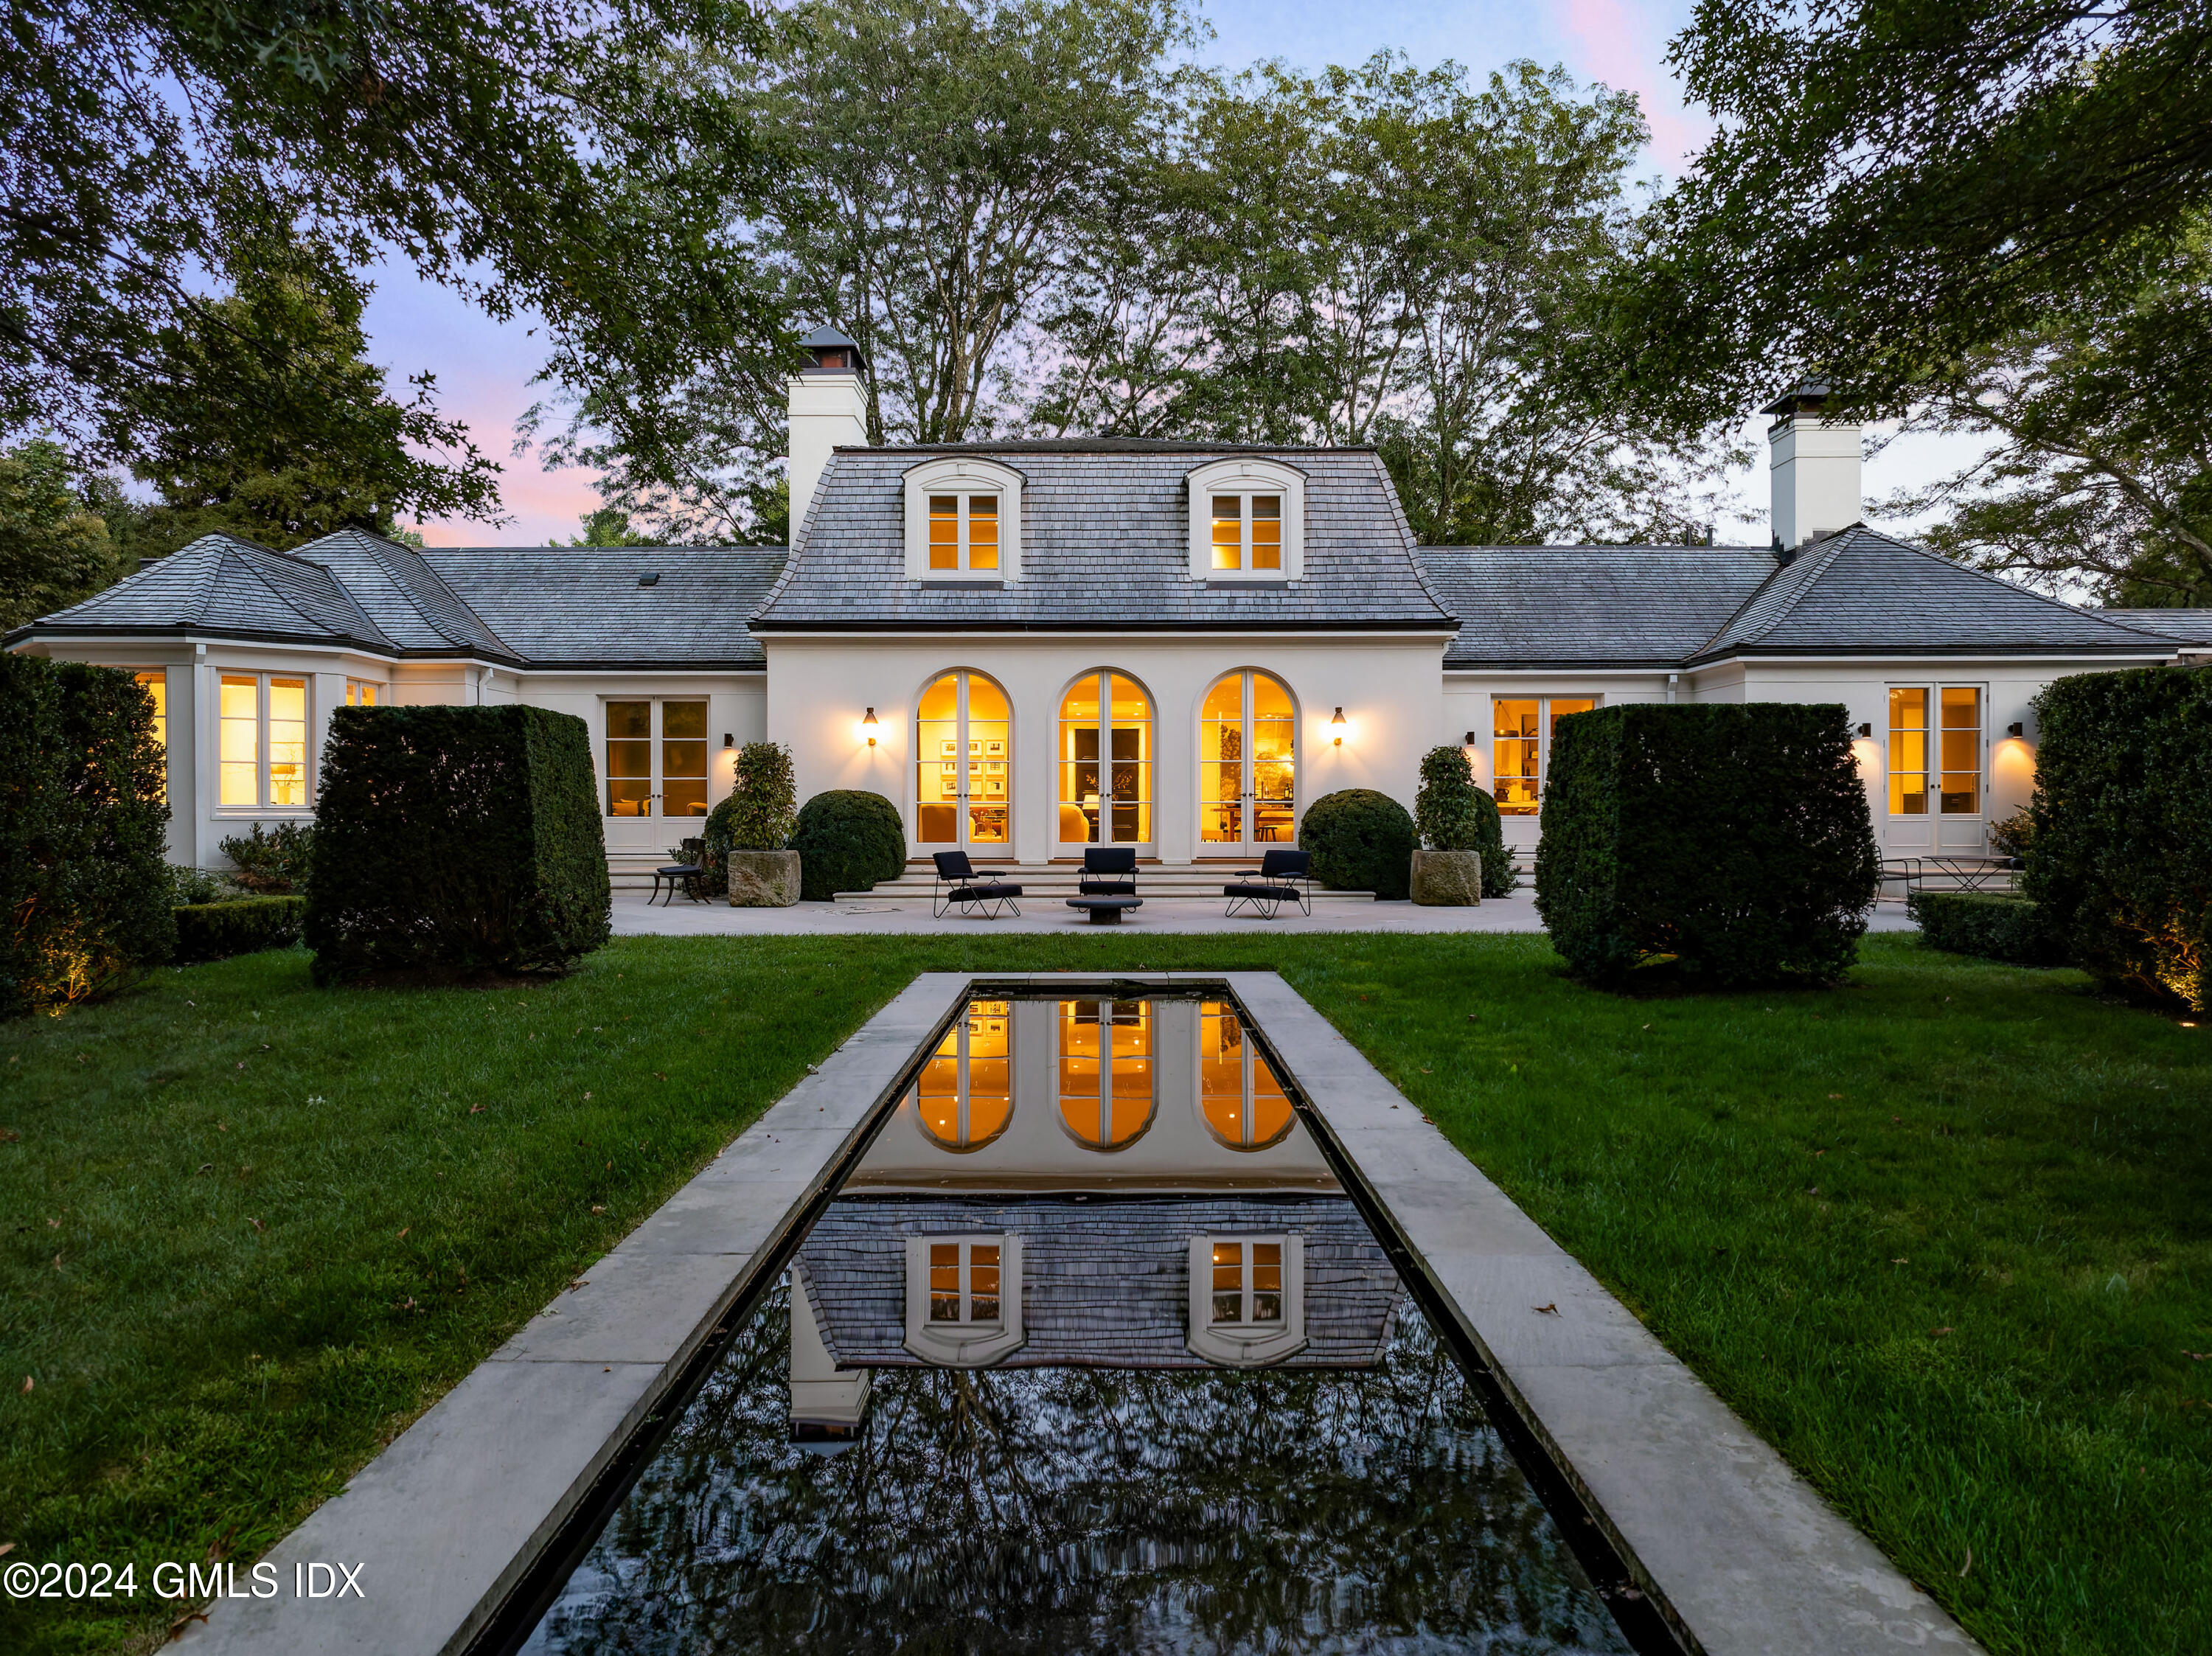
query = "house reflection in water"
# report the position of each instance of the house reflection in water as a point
(1085, 1183)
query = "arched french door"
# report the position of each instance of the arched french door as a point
(963, 760)
(1247, 736)
(1105, 764)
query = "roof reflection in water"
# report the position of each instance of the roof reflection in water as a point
(1111, 1363)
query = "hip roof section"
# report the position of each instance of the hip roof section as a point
(1590, 606)
(1105, 539)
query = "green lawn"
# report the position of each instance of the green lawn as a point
(1942, 1235)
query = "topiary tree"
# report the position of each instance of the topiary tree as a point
(847, 840)
(1451, 813)
(452, 841)
(1732, 840)
(1360, 840)
(763, 808)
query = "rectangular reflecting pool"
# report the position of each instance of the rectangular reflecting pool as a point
(1089, 1351)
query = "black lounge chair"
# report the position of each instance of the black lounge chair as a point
(1107, 889)
(958, 885)
(1283, 876)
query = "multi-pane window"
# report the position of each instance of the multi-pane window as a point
(1238, 1094)
(155, 683)
(656, 750)
(1106, 1070)
(1247, 1280)
(261, 742)
(364, 693)
(1247, 532)
(965, 1097)
(964, 531)
(1105, 761)
(1521, 728)
(1935, 749)
(963, 1283)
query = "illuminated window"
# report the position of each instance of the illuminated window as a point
(1522, 729)
(1247, 1298)
(964, 1298)
(1943, 759)
(965, 1097)
(1246, 518)
(155, 683)
(964, 765)
(1105, 762)
(1247, 729)
(1247, 532)
(364, 693)
(1239, 1097)
(963, 518)
(261, 741)
(1106, 1070)
(964, 533)
(656, 751)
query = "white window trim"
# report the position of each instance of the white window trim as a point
(310, 759)
(658, 726)
(1241, 1345)
(945, 1344)
(1932, 771)
(963, 475)
(1248, 475)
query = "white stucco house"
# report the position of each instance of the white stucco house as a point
(1028, 647)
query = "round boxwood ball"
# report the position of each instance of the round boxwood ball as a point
(847, 840)
(1361, 840)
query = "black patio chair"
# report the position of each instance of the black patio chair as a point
(1284, 876)
(1107, 887)
(957, 885)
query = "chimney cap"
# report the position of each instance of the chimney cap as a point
(1790, 401)
(834, 351)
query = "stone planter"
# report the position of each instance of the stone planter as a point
(1448, 879)
(763, 879)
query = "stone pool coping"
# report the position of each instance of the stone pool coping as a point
(1741, 1554)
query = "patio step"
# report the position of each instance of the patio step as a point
(1044, 881)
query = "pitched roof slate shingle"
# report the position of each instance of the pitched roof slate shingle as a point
(1589, 606)
(1105, 542)
(409, 604)
(2191, 626)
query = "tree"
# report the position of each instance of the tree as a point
(1897, 188)
(530, 153)
(608, 527)
(259, 415)
(54, 549)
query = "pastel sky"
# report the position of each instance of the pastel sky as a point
(483, 369)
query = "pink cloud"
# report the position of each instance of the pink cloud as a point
(1624, 45)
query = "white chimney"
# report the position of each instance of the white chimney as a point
(828, 411)
(1813, 466)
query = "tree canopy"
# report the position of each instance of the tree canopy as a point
(54, 549)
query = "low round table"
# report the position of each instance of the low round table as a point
(1105, 910)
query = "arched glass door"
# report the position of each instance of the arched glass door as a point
(1247, 766)
(1105, 765)
(963, 760)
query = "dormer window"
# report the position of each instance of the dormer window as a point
(1247, 522)
(964, 521)
(1247, 1298)
(1248, 532)
(964, 531)
(964, 1298)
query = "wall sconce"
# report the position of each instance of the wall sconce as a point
(868, 726)
(1469, 741)
(1866, 730)
(2016, 728)
(1338, 725)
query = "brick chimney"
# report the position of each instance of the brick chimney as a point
(1813, 466)
(828, 411)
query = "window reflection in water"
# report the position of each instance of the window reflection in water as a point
(1248, 1282)
(1238, 1094)
(1106, 1069)
(965, 1097)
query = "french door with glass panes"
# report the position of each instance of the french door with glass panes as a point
(656, 763)
(1247, 734)
(1936, 754)
(1105, 766)
(963, 767)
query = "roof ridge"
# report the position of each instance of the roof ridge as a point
(2015, 588)
(270, 587)
(1804, 584)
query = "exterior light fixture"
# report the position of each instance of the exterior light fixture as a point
(729, 740)
(2016, 728)
(1468, 741)
(1337, 723)
(1866, 730)
(868, 726)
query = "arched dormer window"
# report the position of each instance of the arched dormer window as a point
(1247, 1298)
(963, 520)
(1248, 521)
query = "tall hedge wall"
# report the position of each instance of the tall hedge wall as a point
(82, 830)
(1733, 838)
(456, 839)
(2120, 852)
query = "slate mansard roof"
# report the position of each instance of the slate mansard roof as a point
(540, 608)
(1112, 1292)
(1855, 592)
(1105, 542)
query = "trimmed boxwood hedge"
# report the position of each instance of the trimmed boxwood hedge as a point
(456, 839)
(214, 931)
(847, 841)
(84, 886)
(1732, 837)
(1997, 928)
(1360, 840)
(2119, 852)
